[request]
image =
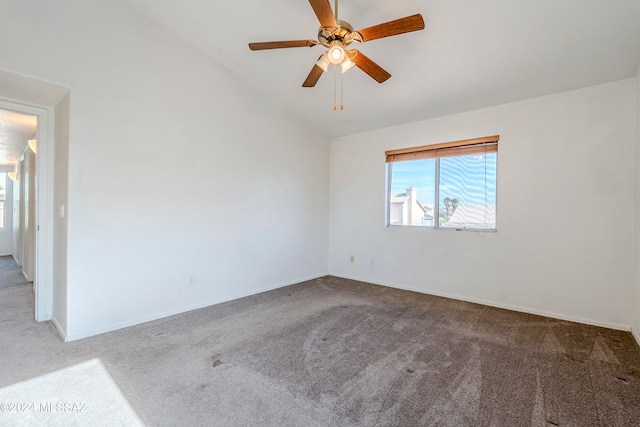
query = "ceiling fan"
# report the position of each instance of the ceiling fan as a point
(336, 35)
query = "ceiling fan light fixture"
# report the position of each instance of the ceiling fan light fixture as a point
(336, 53)
(346, 65)
(336, 35)
(323, 62)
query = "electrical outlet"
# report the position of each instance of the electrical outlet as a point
(192, 280)
(352, 258)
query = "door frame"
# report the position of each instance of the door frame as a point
(43, 280)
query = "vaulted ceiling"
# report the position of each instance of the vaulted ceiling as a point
(472, 54)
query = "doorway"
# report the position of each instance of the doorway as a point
(18, 139)
(28, 238)
(50, 102)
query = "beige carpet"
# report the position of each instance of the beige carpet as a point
(81, 395)
(334, 352)
(10, 273)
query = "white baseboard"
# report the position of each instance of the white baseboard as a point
(636, 335)
(59, 328)
(495, 304)
(156, 316)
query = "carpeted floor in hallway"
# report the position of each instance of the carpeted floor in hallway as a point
(10, 273)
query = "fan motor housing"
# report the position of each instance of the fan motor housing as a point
(343, 33)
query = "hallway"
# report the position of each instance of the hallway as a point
(11, 277)
(10, 273)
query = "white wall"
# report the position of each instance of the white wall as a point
(28, 178)
(175, 168)
(61, 197)
(16, 213)
(6, 237)
(564, 245)
(636, 323)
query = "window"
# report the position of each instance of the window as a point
(3, 197)
(449, 185)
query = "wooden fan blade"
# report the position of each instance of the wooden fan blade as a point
(368, 66)
(323, 11)
(313, 76)
(282, 44)
(393, 28)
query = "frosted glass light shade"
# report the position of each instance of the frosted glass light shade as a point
(336, 52)
(33, 145)
(346, 65)
(323, 62)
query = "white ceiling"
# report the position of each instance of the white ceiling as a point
(15, 130)
(472, 54)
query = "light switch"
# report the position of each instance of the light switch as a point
(61, 211)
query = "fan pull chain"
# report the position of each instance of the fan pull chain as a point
(338, 70)
(335, 83)
(341, 90)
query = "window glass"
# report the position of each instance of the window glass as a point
(467, 196)
(447, 185)
(411, 201)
